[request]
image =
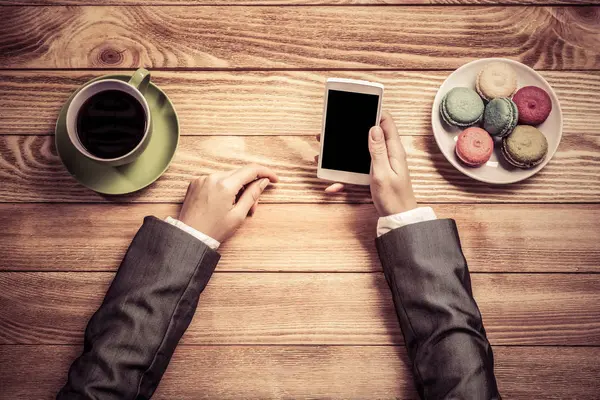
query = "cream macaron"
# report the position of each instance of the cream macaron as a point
(496, 79)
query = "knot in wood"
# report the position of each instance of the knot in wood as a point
(111, 56)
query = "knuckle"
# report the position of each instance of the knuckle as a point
(399, 158)
(258, 169)
(378, 180)
(195, 184)
(378, 149)
(221, 184)
(211, 180)
(238, 217)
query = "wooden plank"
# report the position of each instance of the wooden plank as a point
(31, 172)
(332, 372)
(297, 237)
(298, 308)
(291, 2)
(271, 103)
(296, 37)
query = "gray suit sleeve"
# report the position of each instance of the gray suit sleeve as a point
(130, 339)
(442, 326)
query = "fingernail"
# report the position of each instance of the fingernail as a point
(264, 183)
(376, 133)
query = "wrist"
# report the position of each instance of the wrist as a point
(408, 205)
(209, 240)
(395, 221)
(189, 221)
(198, 224)
(399, 208)
(397, 203)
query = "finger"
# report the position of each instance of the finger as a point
(389, 126)
(379, 157)
(317, 159)
(253, 208)
(335, 188)
(189, 188)
(250, 173)
(319, 137)
(395, 149)
(387, 122)
(251, 195)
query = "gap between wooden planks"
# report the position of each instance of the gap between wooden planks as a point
(271, 103)
(304, 237)
(308, 308)
(30, 171)
(427, 37)
(332, 372)
(295, 2)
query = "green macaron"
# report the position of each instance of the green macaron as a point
(525, 147)
(462, 107)
(500, 116)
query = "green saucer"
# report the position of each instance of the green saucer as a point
(130, 177)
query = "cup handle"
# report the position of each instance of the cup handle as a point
(140, 79)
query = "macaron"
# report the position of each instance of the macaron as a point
(496, 79)
(500, 116)
(525, 147)
(534, 105)
(474, 146)
(462, 107)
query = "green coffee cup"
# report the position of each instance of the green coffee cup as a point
(116, 102)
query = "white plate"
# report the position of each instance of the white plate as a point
(496, 170)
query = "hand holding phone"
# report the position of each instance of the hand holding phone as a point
(391, 186)
(351, 108)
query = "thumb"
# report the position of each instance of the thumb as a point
(251, 195)
(378, 150)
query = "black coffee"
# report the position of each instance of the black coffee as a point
(111, 123)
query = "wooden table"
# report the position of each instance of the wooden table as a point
(298, 306)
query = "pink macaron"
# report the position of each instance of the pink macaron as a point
(534, 105)
(474, 146)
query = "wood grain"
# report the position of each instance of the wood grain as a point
(304, 237)
(332, 372)
(30, 171)
(297, 37)
(308, 308)
(291, 2)
(271, 103)
(293, 334)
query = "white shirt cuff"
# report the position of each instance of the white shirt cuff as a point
(210, 242)
(420, 214)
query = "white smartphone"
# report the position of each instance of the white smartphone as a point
(351, 108)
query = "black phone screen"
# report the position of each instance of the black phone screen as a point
(347, 123)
